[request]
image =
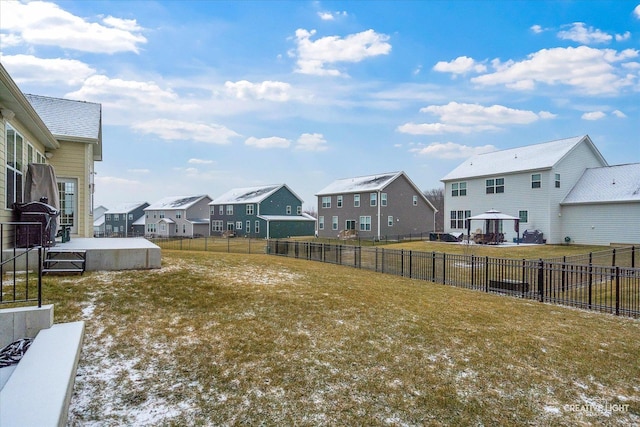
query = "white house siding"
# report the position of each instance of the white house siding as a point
(601, 224)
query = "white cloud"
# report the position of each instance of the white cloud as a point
(593, 115)
(460, 65)
(450, 150)
(267, 90)
(30, 69)
(319, 57)
(623, 37)
(311, 142)
(636, 11)
(537, 29)
(200, 162)
(587, 69)
(331, 16)
(581, 34)
(619, 114)
(175, 130)
(271, 142)
(467, 118)
(44, 23)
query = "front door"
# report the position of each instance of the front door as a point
(68, 192)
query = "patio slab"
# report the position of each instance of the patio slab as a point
(134, 253)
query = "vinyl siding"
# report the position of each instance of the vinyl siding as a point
(601, 224)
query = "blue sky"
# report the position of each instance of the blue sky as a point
(202, 96)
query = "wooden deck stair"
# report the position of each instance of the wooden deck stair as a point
(64, 261)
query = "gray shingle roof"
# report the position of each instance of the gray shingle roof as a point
(125, 208)
(67, 118)
(360, 183)
(175, 203)
(619, 183)
(247, 194)
(530, 157)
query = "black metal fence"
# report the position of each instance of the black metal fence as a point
(611, 289)
(21, 264)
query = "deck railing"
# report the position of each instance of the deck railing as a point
(21, 263)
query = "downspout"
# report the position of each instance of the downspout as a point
(379, 203)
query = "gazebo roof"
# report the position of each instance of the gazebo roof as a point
(493, 214)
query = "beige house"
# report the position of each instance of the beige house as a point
(62, 133)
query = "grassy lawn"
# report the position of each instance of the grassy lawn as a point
(225, 339)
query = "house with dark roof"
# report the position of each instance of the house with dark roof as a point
(374, 206)
(269, 211)
(563, 189)
(65, 134)
(119, 221)
(178, 216)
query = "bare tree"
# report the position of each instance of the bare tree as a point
(436, 197)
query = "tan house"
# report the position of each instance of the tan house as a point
(62, 133)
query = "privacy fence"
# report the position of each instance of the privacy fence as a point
(576, 281)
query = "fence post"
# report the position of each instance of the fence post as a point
(359, 251)
(382, 261)
(590, 282)
(402, 262)
(410, 264)
(40, 249)
(486, 273)
(473, 271)
(617, 291)
(564, 273)
(541, 280)
(633, 256)
(524, 264)
(444, 268)
(613, 258)
(433, 266)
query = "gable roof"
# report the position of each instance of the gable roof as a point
(619, 183)
(69, 120)
(126, 208)
(250, 194)
(530, 157)
(360, 183)
(175, 203)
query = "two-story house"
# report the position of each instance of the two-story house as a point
(64, 134)
(269, 211)
(119, 221)
(527, 182)
(178, 216)
(374, 206)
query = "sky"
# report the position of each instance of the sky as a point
(199, 97)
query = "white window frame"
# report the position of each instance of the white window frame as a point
(365, 223)
(356, 200)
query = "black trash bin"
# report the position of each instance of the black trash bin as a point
(41, 234)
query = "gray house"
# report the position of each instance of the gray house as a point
(374, 206)
(270, 211)
(178, 216)
(119, 221)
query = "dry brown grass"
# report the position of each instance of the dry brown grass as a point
(225, 339)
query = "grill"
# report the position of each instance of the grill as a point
(28, 235)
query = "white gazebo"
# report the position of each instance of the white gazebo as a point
(492, 221)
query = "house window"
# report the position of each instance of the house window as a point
(217, 225)
(116, 217)
(557, 180)
(458, 218)
(415, 200)
(161, 214)
(151, 228)
(221, 210)
(356, 200)
(229, 209)
(288, 209)
(248, 224)
(365, 223)
(373, 199)
(350, 224)
(130, 217)
(383, 199)
(107, 217)
(536, 180)
(14, 167)
(390, 221)
(163, 226)
(184, 228)
(458, 189)
(326, 202)
(299, 210)
(257, 228)
(339, 201)
(524, 216)
(250, 209)
(321, 223)
(238, 225)
(334, 222)
(495, 186)
(229, 225)
(178, 214)
(29, 153)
